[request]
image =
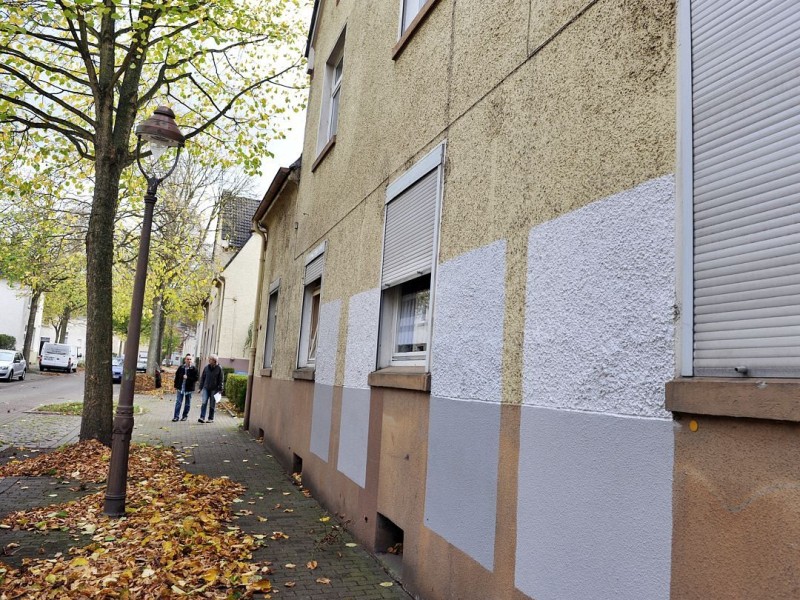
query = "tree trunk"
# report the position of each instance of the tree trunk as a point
(97, 396)
(164, 327)
(29, 330)
(63, 323)
(155, 329)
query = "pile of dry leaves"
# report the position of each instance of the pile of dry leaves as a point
(175, 540)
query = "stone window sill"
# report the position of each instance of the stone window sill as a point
(323, 153)
(412, 28)
(403, 378)
(754, 398)
(265, 372)
(305, 373)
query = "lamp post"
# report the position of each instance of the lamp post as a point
(159, 132)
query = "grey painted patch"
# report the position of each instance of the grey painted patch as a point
(327, 342)
(468, 327)
(599, 333)
(321, 420)
(363, 317)
(461, 485)
(594, 510)
(354, 434)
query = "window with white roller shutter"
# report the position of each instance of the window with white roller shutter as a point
(745, 187)
(309, 320)
(409, 261)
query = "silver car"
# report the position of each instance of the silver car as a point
(12, 365)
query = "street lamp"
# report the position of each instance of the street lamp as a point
(159, 132)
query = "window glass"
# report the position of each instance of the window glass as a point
(413, 319)
(312, 338)
(269, 343)
(410, 10)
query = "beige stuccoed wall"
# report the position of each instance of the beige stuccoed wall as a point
(545, 106)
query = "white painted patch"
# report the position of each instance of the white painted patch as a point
(363, 318)
(354, 434)
(461, 485)
(468, 326)
(599, 333)
(321, 416)
(328, 342)
(594, 506)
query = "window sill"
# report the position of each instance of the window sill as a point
(305, 373)
(412, 28)
(265, 372)
(754, 398)
(323, 153)
(403, 378)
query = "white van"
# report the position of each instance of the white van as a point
(58, 357)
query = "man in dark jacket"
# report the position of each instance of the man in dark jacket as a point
(210, 384)
(185, 380)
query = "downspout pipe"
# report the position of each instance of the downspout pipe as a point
(251, 369)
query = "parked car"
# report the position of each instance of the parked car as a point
(12, 364)
(58, 357)
(141, 361)
(116, 369)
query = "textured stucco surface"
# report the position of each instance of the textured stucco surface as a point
(363, 316)
(591, 114)
(594, 509)
(328, 342)
(599, 333)
(354, 434)
(467, 345)
(461, 485)
(321, 415)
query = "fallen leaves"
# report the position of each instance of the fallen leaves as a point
(175, 540)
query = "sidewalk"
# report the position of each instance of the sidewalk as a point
(217, 449)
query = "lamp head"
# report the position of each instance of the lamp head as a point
(160, 131)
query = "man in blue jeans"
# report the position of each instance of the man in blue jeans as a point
(210, 384)
(185, 380)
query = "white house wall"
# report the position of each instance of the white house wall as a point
(596, 447)
(325, 372)
(363, 317)
(464, 426)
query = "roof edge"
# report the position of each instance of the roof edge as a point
(274, 189)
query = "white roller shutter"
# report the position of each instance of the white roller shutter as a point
(314, 269)
(409, 238)
(746, 186)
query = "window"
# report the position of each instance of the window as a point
(410, 10)
(740, 176)
(309, 326)
(272, 311)
(409, 252)
(332, 95)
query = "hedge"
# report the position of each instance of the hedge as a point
(236, 390)
(7, 342)
(225, 372)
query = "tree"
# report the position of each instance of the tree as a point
(74, 76)
(38, 249)
(67, 298)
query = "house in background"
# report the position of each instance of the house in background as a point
(228, 309)
(15, 306)
(529, 307)
(75, 336)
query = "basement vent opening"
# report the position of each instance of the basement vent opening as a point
(389, 545)
(297, 465)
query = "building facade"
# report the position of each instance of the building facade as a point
(480, 322)
(15, 303)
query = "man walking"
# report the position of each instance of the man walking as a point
(185, 380)
(210, 384)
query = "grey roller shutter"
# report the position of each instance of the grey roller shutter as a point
(746, 187)
(410, 232)
(314, 269)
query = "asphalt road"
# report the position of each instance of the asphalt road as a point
(39, 388)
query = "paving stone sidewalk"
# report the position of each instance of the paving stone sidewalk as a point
(217, 449)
